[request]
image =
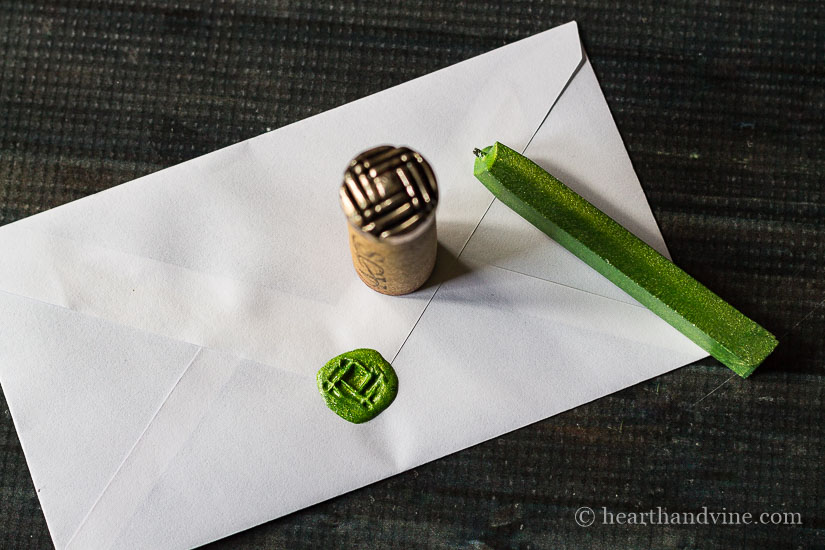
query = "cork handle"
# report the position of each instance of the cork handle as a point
(394, 266)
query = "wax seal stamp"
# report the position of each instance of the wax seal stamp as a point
(358, 385)
(389, 195)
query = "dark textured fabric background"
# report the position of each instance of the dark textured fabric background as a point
(721, 107)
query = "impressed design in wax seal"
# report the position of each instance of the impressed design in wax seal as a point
(358, 385)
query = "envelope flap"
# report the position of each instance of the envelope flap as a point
(226, 250)
(81, 391)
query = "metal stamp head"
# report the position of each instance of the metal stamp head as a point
(388, 191)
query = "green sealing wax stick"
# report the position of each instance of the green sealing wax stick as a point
(628, 262)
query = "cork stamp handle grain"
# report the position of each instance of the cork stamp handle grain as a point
(627, 261)
(389, 195)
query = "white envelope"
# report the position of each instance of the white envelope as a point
(161, 338)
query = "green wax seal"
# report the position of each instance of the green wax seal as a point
(624, 259)
(358, 385)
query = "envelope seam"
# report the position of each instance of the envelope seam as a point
(134, 446)
(460, 252)
(580, 64)
(83, 243)
(636, 304)
(230, 353)
(573, 74)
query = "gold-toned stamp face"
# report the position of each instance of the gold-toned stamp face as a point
(389, 196)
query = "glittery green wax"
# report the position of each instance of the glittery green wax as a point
(358, 385)
(653, 280)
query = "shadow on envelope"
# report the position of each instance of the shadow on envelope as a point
(448, 266)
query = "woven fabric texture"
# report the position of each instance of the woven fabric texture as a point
(722, 108)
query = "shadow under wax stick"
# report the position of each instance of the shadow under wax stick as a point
(389, 195)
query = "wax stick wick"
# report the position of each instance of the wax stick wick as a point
(478, 152)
